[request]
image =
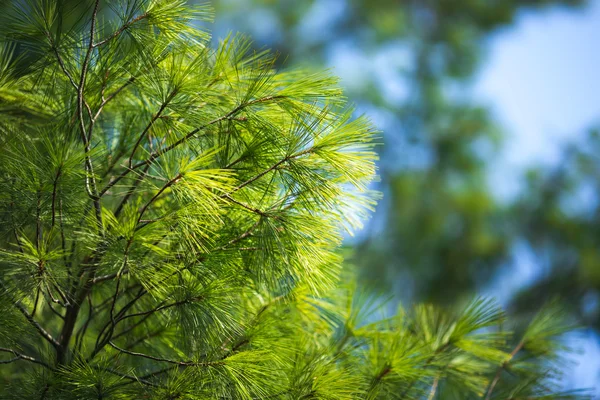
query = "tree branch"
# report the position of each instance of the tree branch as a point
(112, 96)
(136, 354)
(433, 388)
(20, 356)
(147, 128)
(496, 379)
(164, 150)
(32, 321)
(85, 136)
(165, 187)
(157, 309)
(120, 30)
(60, 61)
(73, 310)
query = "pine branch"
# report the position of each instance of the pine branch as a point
(87, 136)
(54, 189)
(164, 150)
(157, 195)
(147, 128)
(266, 171)
(496, 379)
(111, 96)
(127, 376)
(161, 308)
(433, 388)
(31, 320)
(61, 62)
(131, 190)
(20, 356)
(246, 206)
(160, 359)
(123, 28)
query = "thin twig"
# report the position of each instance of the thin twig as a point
(121, 30)
(112, 96)
(136, 354)
(20, 356)
(165, 187)
(433, 388)
(147, 128)
(32, 321)
(496, 379)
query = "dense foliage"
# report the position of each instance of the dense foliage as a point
(170, 218)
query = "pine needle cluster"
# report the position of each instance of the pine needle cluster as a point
(170, 218)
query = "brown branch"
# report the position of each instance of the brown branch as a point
(60, 60)
(103, 338)
(86, 136)
(52, 308)
(246, 206)
(496, 379)
(266, 171)
(132, 327)
(92, 191)
(63, 241)
(81, 333)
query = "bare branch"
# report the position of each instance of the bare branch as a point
(434, 387)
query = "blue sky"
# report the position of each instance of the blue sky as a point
(542, 80)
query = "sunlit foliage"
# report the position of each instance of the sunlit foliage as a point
(170, 217)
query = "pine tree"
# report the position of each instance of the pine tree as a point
(170, 222)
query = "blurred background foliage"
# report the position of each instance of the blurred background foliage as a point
(440, 234)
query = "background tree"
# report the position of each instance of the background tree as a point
(170, 219)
